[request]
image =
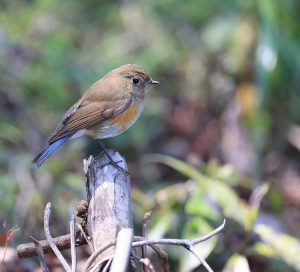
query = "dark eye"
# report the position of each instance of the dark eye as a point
(135, 80)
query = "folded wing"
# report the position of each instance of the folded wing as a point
(86, 114)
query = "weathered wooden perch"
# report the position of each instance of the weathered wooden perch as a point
(109, 208)
(108, 193)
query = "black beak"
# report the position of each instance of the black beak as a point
(151, 81)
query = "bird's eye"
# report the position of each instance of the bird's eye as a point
(135, 80)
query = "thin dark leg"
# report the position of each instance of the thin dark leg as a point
(113, 163)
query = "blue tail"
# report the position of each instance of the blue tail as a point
(49, 150)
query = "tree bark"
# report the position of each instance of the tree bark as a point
(108, 195)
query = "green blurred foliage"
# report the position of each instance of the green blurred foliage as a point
(227, 107)
(193, 208)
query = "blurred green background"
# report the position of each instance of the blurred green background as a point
(226, 117)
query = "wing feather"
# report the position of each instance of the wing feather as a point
(86, 114)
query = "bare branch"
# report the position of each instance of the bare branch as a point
(103, 262)
(73, 249)
(87, 239)
(178, 242)
(41, 255)
(95, 254)
(211, 234)
(146, 218)
(62, 242)
(162, 255)
(181, 242)
(188, 244)
(50, 240)
(200, 259)
(107, 266)
(122, 251)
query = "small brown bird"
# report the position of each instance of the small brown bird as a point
(109, 107)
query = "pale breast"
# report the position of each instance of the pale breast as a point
(119, 124)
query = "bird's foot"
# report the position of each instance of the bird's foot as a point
(115, 164)
(111, 161)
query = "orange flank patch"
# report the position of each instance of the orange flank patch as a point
(126, 116)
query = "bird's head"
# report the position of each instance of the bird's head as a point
(134, 78)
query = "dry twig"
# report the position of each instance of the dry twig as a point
(95, 254)
(105, 263)
(41, 255)
(162, 255)
(73, 249)
(122, 251)
(62, 242)
(181, 242)
(87, 239)
(146, 218)
(54, 248)
(188, 244)
(107, 266)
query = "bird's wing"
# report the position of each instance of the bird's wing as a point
(85, 114)
(68, 114)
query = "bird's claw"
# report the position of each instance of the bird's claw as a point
(118, 167)
(112, 162)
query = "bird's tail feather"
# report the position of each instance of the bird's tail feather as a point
(49, 150)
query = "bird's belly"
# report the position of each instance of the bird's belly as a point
(117, 125)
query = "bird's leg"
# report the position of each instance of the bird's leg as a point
(112, 162)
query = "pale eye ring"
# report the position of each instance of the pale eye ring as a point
(135, 80)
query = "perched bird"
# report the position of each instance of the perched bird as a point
(109, 107)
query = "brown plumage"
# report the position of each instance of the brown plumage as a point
(110, 106)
